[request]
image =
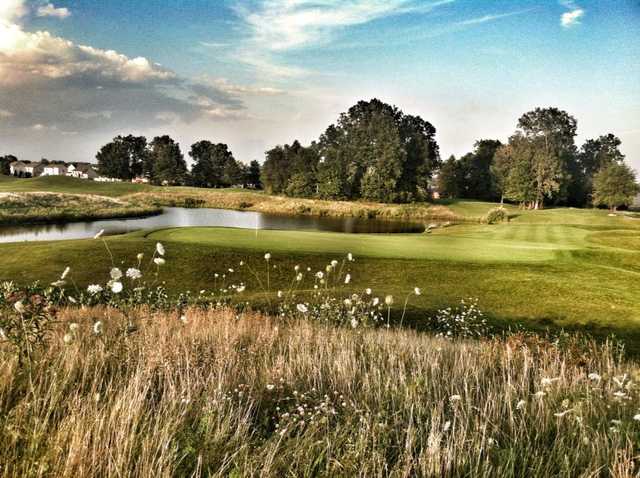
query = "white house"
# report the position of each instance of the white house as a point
(54, 169)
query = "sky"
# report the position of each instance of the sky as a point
(256, 73)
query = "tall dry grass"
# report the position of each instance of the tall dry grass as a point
(253, 396)
(265, 203)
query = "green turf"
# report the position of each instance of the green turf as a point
(562, 275)
(559, 266)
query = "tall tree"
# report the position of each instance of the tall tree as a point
(600, 152)
(253, 175)
(551, 131)
(168, 164)
(614, 186)
(476, 168)
(210, 164)
(377, 152)
(123, 157)
(5, 161)
(450, 179)
(275, 170)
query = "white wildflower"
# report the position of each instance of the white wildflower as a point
(376, 301)
(94, 289)
(140, 256)
(354, 323)
(299, 277)
(520, 405)
(116, 287)
(562, 413)
(241, 288)
(99, 234)
(68, 338)
(347, 278)
(334, 263)
(97, 328)
(183, 319)
(159, 261)
(19, 306)
(116, 273)
(270, 386)
(595, 377)
(302, 308)
(280, 294)
(350, 257)
(388, 300)
(160, 249)
(267, 256)
(455, 398)
(296, 268)
(133, 273)
(636, 417)
(368, 291)
(417, 291)
(446, 426)
(73, 327)
(319, 274)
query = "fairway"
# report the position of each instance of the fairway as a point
(462, 244)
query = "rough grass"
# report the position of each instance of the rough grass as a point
(251, 396)
(33, 208)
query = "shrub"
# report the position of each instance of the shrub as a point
(496, 215)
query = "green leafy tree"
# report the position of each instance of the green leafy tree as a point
(450, 179)
(123, 158)
(253, 175)
(597, 153)
(5, 161)
(614, 186)
(374, 145)
(551, 132)
(210, 168)
(476, 169)
(168, 164)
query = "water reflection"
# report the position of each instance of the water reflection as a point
(181, 217)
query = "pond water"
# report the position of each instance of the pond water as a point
(182, 217)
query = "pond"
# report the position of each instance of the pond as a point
(182, 217)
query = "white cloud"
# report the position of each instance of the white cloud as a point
(277, 26)
(243, 90)
(490, 18)
(27, 57)
(11, 10)
(286, 24)
(573, 16)
(49, 10)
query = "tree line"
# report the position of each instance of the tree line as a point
(161, 162)
(373, 152)
(541, 164)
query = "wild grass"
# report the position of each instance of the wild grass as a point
(216, 394)
(46, 208)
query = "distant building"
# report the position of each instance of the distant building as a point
(26, 169)
(82, 171)
(54, 169)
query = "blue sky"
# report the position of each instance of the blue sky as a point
(255, 73)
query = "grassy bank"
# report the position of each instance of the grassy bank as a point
(47, 208)
(237, 199)
(217, 395)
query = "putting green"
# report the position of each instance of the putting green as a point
(459, 243)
